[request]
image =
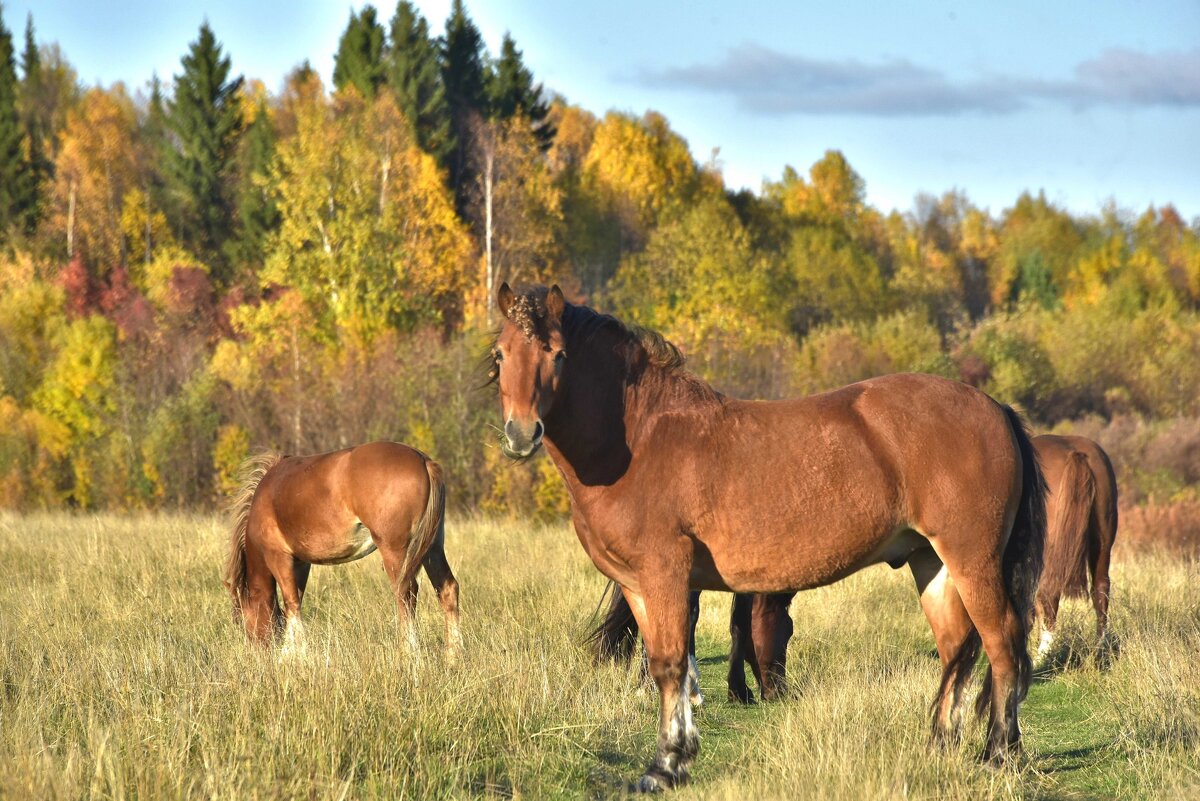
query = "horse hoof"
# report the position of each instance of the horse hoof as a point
(655, 780)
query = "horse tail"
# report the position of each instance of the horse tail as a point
(1066, 539)
(1021, 564)
(250, 475)
(429, 526)
(615, 637)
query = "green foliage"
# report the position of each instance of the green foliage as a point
(14, 168)
(39, 167)
(465, 78)
(258, 214)
(179, 444)
(511, 92)
(205, 118)
(359, 58)
(414, 74)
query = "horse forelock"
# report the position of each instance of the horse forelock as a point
(528, 312)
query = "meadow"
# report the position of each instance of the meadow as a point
(123, 676)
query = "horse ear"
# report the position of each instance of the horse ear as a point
(504, 298)
(555, 303)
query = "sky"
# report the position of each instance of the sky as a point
(1090, 101)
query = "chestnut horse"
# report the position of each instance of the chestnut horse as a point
(292, 512)
(674, 487)
(1081, 510)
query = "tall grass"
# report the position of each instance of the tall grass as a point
(123, 676)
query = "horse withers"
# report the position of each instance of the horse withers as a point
(293, 512)
(676, 487)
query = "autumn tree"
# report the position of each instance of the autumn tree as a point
(359, 58)
(205, 118)
(414, 75)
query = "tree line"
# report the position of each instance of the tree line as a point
(205, 267)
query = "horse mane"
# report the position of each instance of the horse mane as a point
(250, 474)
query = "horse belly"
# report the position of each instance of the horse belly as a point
(357, 543)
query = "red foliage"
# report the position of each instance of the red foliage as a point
(1173, 527)
(80, 289)
(126, 306)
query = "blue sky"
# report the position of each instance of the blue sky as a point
(1088, 101)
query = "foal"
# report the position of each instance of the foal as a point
(296, 511)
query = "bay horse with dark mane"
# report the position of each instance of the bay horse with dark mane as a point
(1081, 512)
(292, 512)
(674, 487)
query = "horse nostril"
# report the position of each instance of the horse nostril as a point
(538, 430)
(510, 430)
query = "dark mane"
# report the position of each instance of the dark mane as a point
(581, 323)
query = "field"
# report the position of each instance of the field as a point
(122, 676)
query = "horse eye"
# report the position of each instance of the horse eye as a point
(497, 356)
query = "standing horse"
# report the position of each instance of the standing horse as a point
(1082, 513)
(1081, 510)
(292, 512)
(674, 487)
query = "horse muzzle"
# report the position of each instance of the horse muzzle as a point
(522, 441)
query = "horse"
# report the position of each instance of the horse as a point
(674, 487)
(292, 512)
(1081, 511)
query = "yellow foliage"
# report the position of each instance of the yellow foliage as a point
(231, 449)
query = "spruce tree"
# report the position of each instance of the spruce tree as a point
(464, 74)
(258, 214)
(13, 166)
(39, 167)
(205, 119)
(415, 77)
(359, 58)
(511, 91)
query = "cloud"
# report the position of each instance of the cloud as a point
(771, 83)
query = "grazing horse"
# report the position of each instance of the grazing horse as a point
(1082, 513)
(674, 487)
(292, 512)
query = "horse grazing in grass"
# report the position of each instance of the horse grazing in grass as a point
(1081, 511)
(296, 511)
(676, 487)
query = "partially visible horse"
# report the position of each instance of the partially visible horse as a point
(1082, 513)
(1081, 510)
(292, 512)
(676, 487)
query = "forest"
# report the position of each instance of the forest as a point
(199, 267)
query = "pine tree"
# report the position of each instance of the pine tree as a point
(39, 168)
(416, 80)
(359, 59)
(205, 118)
(511, 92)
(258, 214)
(13, 167)
(464, 74)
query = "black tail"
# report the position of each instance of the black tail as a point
(1022, 563)
(615, 638)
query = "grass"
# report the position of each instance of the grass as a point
(122, 676)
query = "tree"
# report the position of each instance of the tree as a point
(359, 57)
(464, 75)
(511, 93)
(14, 169)
(39, 166)
(258, 215)
(205, 117)
(97, 165)
(415, 77)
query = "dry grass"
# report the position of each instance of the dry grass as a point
(122, 676)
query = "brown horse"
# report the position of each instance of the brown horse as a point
(1081, 510)
(296, 511)
(1082, 513)
(674, 486)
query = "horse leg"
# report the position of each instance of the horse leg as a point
(980, 583)
(287, 569)
(771, 629)
(1101, 535)
(1047, 607)
(260, 608)
(446, 587)
(662, 610)
(741, 649)
(956, 638)
(405, 592)
(694, 694)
